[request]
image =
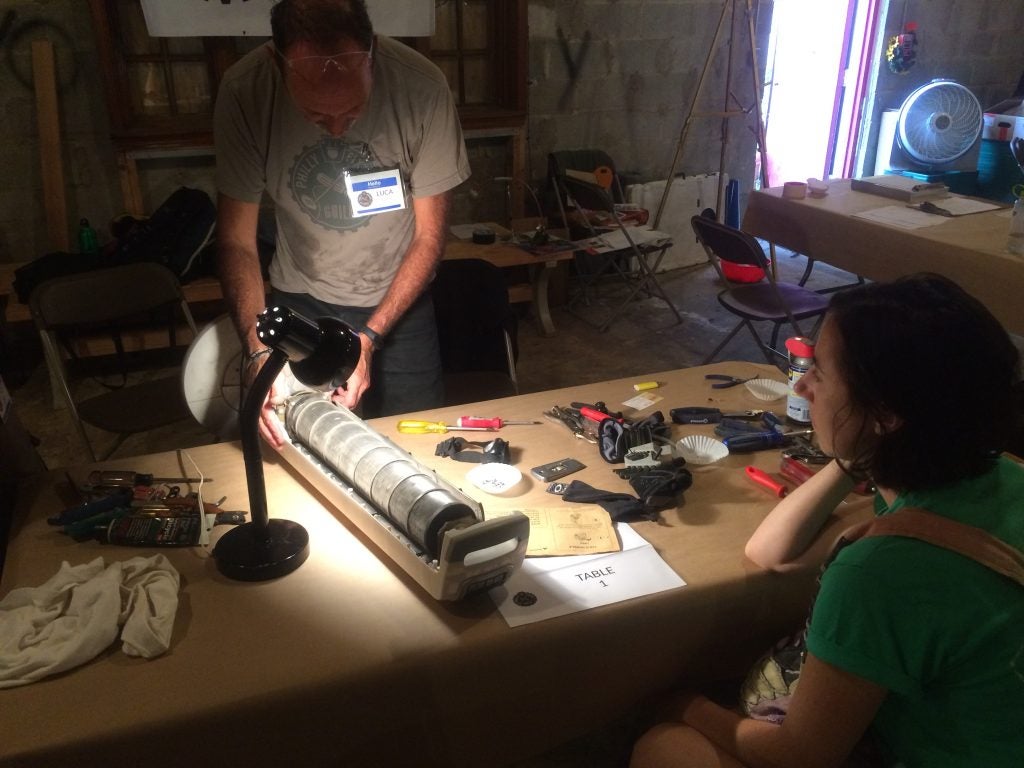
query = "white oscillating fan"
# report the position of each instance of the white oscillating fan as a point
(938, 129)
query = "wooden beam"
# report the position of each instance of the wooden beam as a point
(44, 76)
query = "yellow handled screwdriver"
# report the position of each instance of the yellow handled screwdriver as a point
(412, 427)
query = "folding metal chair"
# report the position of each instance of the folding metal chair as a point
(769, 300)
(630, 263)
(101, 300)
(477, 331)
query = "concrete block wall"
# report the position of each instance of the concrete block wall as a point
(621, 75)
(90, 169)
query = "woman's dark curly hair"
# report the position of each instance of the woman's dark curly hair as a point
(924, 350)
(321, 23)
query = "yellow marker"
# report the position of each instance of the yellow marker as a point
(645, 385)
(411, 427)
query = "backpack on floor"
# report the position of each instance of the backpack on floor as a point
(174, 235)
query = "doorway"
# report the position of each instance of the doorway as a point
(818, 68)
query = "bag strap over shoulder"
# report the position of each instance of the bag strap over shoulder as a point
(967, 540)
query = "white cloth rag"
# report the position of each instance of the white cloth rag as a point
(76, 614)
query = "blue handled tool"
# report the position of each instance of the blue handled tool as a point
(746, 442)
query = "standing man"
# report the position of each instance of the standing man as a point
(356, 139)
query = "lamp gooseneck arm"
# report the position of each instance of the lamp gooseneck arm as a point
(249, 424)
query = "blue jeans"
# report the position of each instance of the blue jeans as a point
(406, 371)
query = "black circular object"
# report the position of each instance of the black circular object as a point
(483, 236)
(252, 552)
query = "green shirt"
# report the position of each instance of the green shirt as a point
(942, 632)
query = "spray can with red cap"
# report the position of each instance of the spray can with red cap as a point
(801, 358)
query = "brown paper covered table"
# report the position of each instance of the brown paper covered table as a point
(348, 662)
(970, 250)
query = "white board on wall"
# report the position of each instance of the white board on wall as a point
(241, 18)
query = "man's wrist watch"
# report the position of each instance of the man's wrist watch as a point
(372, 335)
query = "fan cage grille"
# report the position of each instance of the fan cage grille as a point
(939, 122)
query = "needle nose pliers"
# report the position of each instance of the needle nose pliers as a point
(724, 381)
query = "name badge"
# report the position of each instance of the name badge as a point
(376, 192)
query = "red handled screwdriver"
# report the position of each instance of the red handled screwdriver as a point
(492, 423)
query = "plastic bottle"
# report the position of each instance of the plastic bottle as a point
(801, 358)
(88, 242)
(1015, 240)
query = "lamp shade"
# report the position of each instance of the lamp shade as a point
(322, 354)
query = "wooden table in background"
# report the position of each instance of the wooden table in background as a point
(347, 661)
(207, 289)
(970, 250)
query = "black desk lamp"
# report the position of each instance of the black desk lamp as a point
(322, 355)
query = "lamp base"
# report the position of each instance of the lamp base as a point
(249, 554)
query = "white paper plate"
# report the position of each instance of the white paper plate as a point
(701, 449)
(767, 389)
(494, 477)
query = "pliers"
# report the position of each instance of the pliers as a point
(724, 381)
(701, 415)
(573, 421)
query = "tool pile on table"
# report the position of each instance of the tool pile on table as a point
(138, 509)
(651, 459)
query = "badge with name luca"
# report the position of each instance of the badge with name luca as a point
(376, 192)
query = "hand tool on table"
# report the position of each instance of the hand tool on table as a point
(704, 415)
(128, 478)
(805, 452)
(492, 423)
(415, 427)
(570, 417)
(596, 414)
(725, 381)
(598, 411)
(746, 442)
(761, 477)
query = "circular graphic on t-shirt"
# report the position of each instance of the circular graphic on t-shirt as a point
(317, 181)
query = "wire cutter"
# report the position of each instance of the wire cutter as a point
(573, 421)
(724, 381)
(701, 415)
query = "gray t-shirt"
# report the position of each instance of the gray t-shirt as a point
(264, 142)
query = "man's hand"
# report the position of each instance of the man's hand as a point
(270, 425)
(352, 392)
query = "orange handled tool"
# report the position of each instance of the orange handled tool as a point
(763, 478)
(493, 423)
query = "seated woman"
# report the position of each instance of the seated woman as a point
(910, 646)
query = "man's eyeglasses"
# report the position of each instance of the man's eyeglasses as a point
(316, 69)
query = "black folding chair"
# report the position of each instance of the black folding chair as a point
(768, 300)
(629, 263)
(101, 300)
(477, 331)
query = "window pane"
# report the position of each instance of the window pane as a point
(185, 45)
(478, 80)
(444, 38)
(134, 35)
(148, 89)
(451, 73)
(475, 24)
(191, 88)
(245, 44)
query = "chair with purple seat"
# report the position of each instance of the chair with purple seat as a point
(769, 300)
